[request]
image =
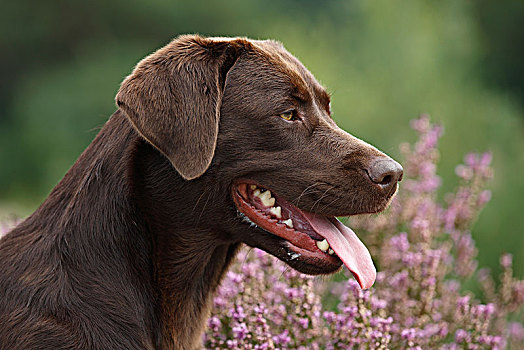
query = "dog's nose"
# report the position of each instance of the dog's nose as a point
(385, 172)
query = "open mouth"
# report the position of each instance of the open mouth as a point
(311, 238)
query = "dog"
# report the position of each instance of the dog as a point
(216, 142)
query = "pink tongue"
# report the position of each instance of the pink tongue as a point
(348, 247)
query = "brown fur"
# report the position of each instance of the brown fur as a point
(129, 248)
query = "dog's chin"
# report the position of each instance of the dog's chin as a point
(309, 242)
(311, 265)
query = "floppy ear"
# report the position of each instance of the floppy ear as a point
(173, 99)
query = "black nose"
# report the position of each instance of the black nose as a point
(385, 172)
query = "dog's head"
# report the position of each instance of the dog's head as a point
(247, 117)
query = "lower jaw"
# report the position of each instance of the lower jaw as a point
(311, 263)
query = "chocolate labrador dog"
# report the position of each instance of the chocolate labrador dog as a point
(215, 142)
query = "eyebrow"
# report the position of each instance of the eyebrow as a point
(300, 93)
(324, 97)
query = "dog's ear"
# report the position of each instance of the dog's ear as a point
(173, 98)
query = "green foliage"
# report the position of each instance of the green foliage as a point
(384, 63)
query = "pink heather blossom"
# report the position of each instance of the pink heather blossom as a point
(421, 125)
(506, 261)
(464, 172)
(516, 331)
(425, 254)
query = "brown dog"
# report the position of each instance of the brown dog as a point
(215, 142)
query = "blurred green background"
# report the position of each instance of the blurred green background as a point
(384, 62)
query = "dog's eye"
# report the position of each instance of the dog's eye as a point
(289, 116)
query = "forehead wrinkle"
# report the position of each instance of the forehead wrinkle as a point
(307, 78)
(284, 62)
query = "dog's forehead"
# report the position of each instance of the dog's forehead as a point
(302, 79)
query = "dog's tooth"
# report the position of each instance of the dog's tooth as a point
(256, 193)
(288, 223)
(253, 187)
(265, 195)
(277, 211)
(331, 251)
(269, 202)
(266, 199)
(323, 245)
(294, 256)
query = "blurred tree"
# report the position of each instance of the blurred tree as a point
(502, 27)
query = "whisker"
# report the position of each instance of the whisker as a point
(204, 208)
(329, 204)
(321, 197)
(297, 200)
(286, 268)
(198, 200)
(246, 257)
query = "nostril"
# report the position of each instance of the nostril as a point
(387, 179)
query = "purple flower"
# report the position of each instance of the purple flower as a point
(471, 160)
(400, 242)
(412, 258)
(516, 331)
(483, 198)
(304, 323)
(464, 172)
(485, 159)
(240, 331)
(462, 336)
(408, 334)
(421, 124)
(426, 257)
(214, 323)
(506, 261)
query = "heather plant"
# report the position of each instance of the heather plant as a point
(425, 256)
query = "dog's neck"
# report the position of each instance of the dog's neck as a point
(121, 200)
(190, 258)
(188, 273)
(187, 280)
